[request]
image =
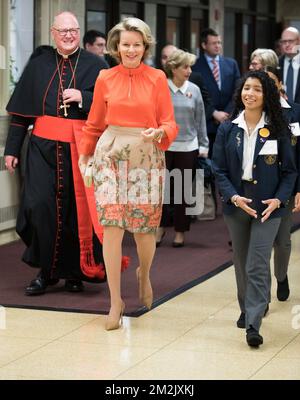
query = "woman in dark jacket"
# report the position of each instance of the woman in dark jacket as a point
(255, 173)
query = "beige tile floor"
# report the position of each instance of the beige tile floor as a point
(192, 336)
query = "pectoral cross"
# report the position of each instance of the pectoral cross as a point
(65, 106)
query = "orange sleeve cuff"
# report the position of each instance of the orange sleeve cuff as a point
(171, 133)
(88, 144)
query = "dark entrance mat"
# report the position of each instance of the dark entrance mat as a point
(174, 270)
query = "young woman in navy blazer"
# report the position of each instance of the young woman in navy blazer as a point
(255, 173)
(283, 243)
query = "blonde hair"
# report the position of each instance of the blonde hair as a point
(129, 24)
(267, 57)
(177, 59)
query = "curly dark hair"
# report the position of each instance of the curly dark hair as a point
(271, 103)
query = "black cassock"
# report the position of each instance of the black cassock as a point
(39, 93)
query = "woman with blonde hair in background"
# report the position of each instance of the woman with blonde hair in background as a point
(191, 142)
(260, 58)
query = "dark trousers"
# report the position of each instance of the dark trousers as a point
(283, 244)
(175, 214)
(211, 138)
(252, 243)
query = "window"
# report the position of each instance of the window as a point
(21, 37)
(229, 34)
(96, 15)
(96, 20)
(128, 9)
(195, 35)
(173, 32)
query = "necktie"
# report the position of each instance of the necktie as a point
(215, 71)
(290, 81)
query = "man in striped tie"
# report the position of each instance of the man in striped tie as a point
(220, 75)
(289, 62)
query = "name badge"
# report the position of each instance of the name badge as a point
(270, 147)
(295, 128)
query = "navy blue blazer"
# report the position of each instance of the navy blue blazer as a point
(273, 176)
(293, 115)
(221, 99)
(297, 92)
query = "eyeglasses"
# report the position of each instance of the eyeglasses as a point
(255, 64)
(289, 41)
(64, 32)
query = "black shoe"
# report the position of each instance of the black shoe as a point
(158, 243)
(178, 244)
(241, 322)
(74, 285)
(283, 290)
(39, 285)
(254, 339)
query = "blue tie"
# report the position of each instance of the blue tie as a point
(290, 81)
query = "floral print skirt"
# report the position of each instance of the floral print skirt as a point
(128, 176)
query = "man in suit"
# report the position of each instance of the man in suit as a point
(290, 62)
(95, 42)
(220, 75)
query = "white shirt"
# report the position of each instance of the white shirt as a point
(249, 143)
(284, 103)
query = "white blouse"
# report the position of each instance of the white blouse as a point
(249, 143)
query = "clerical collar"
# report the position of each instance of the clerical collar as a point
(67, 55)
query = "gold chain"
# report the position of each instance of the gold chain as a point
(59, 73)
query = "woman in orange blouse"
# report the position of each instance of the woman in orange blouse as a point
(132, 113)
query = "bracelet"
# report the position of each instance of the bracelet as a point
(159, 136)
(234, 200)
(278, 203)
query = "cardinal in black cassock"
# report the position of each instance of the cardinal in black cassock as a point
(54, 219)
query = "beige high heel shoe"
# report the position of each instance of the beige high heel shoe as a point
(146, 295)
(113, 323)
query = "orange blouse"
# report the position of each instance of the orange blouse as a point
(138, 97)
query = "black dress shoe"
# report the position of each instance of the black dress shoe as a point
(74, 285)
(158, 243)
(39, 285)
(254, 339)
(283, 290)
(178, 244)
(241, 322)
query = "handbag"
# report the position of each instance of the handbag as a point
(209, 207)
(88, 174)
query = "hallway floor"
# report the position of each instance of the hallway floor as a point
(193, 336)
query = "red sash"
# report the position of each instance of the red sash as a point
(70, 131)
